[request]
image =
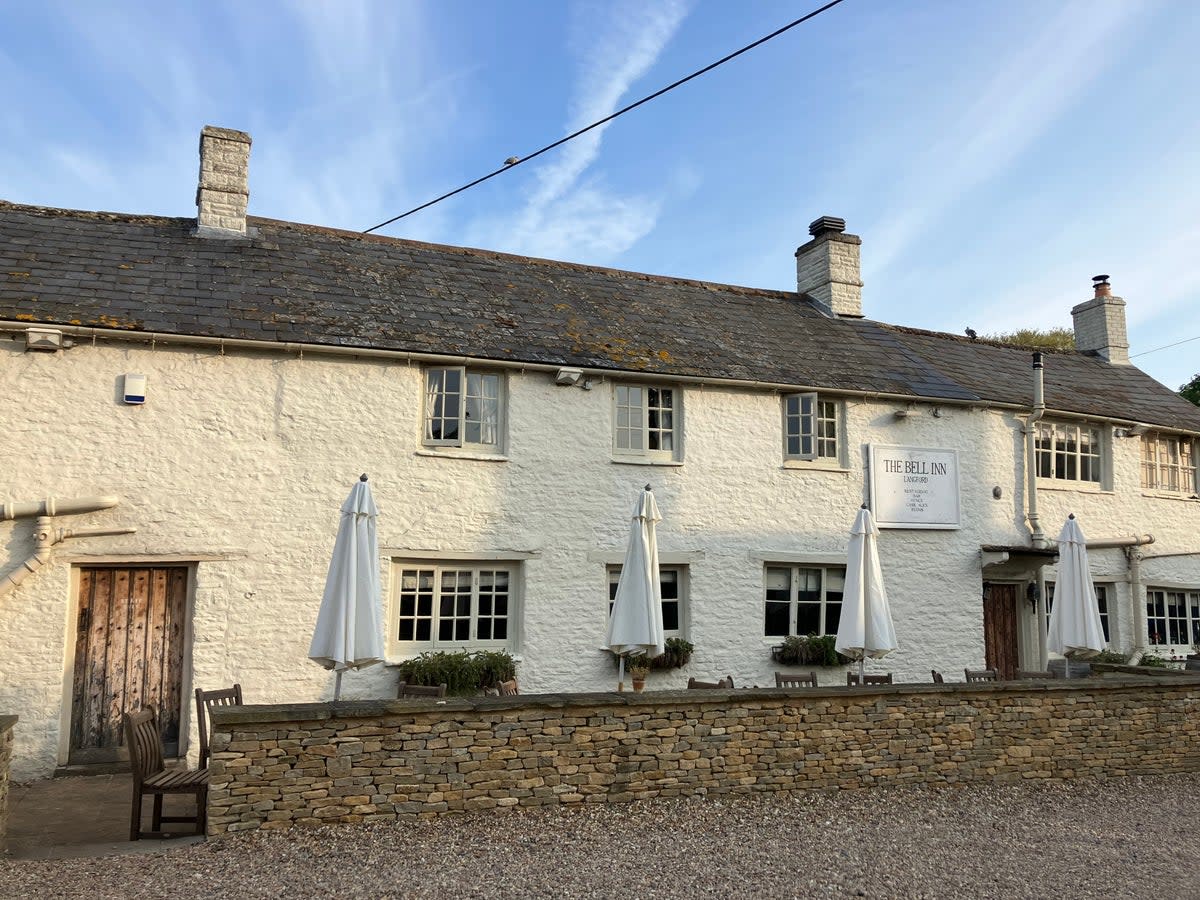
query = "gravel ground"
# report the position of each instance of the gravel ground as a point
(1125, 837)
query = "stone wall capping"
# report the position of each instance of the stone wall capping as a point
(323, 711)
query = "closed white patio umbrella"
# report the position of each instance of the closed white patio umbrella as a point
(1074, 629)
(347, 633)
(636, 624)
(865, 629)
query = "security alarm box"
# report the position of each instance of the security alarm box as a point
(135, 389)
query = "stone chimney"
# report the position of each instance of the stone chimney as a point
(223, 191)
(1100, 324)
(827, 268)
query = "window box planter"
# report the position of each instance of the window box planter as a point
(810, 650)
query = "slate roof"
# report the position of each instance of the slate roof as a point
(300, 283)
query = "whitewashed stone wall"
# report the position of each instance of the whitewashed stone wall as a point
(239, 463)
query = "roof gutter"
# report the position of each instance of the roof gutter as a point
(409, 356)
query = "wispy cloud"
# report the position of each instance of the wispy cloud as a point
(1023, 96)
(568, 215)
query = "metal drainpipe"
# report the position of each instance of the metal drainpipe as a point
(1137, 599)
(1037, 538)
(44, 534)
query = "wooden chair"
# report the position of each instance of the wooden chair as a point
(406, 690)
(974, 675)
(852, 678)
(726, 683)
(205, 701)
(1027, 675)
(508, 688)
(150, 776)
(937, 676)
(786, 680)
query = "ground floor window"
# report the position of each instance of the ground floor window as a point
(803, 600)
(1101, 601)
(1172, 617)
(674, 585)
(453, 605)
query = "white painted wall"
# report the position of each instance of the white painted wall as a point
(241, 461)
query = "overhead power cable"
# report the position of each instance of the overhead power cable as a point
(1167, 347)
(513, 161)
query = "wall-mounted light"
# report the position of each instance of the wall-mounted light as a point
(1130, 431)
(568, 377)
(46, 340)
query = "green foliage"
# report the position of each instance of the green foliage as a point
(1191, 390)
(1036, 338)
(1151, 661)
(810, 650)
(463, 672)
(676, 654)
(1110, 656)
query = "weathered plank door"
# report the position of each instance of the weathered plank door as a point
(1000, 628)
(128, 654)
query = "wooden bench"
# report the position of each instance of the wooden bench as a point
(974, 675)
(802, 679)
(508, 688)
(852, 678)
(937, 676)
(726, 682)
(405, 690)
(150, 776)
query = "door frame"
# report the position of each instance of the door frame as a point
(67, 702)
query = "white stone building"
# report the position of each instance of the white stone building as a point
(508, 410)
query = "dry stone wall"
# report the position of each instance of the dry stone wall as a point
(276, 767)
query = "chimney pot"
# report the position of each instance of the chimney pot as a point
(1101, 286)
(826, 224)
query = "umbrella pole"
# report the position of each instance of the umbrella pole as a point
(337, 686)
(621, 672)
(862, 667)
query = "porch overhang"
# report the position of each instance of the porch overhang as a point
(992, 555)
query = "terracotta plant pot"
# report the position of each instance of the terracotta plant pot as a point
(639, 684)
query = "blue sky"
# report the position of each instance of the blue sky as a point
(992, 156)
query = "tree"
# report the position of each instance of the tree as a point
(1191, 390)
(1037, 338)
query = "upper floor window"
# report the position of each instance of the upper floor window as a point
(674, 586)
(1168, 463)
(1101, 602)
(463, 408)
(453, 605)
(810, 427)
(1172, 617)
(1068, 452)
(803, 600)
(647, 421)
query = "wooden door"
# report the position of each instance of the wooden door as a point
(128, 654)
(1000, 628)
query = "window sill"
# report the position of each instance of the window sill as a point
(1169, 495)
(636, 461)
(1082, 487)
(455, 453)
(807, 465)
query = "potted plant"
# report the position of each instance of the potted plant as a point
(637, 672)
